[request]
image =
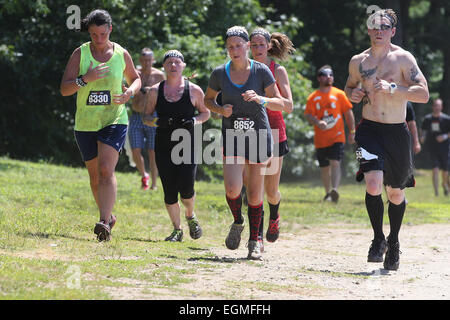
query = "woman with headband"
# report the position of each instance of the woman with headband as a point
(95, 72)
(248, 88)
(263, 46)
(175, 101)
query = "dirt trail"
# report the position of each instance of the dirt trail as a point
(322, 263)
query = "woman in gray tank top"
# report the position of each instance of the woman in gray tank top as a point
(248, 88)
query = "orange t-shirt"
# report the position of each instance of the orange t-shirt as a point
(329, 107)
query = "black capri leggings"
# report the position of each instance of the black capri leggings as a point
(175, 178)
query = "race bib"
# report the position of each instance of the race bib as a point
(243, 124)
(435, 127)
(99, 98)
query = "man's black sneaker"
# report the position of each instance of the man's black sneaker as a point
(176, 235)
(377, 250)
(327, 197)
(334, 196)
(392, 259)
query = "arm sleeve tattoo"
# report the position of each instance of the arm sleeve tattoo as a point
(414, 72)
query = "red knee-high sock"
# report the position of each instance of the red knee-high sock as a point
(235, 207)
(254, 217)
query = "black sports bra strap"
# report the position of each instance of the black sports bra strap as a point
(186, 89)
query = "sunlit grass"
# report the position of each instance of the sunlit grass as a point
(47, 215)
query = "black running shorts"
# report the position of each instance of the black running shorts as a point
(440, 157)
(386, 147)
(333, 152)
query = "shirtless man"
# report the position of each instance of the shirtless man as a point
(142, 135)
(384, 77)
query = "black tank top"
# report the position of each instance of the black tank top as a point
(178, 110)
(181, 109)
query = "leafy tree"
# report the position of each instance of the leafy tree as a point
(36, 44)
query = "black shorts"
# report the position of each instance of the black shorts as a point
(333, 152)
(440, 157)
(254, 146)
(386, 147)
(282, 147)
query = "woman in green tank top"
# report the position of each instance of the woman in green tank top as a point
(95, 72)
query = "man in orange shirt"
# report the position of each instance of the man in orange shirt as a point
(325, 109)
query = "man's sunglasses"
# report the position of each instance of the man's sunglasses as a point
(326, 73)
(383, 27)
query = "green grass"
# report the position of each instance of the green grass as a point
(47, 215)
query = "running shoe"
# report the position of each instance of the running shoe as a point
(176, 235)
(327, 198)
(392, 259)
(273, 231)
(261, 243)
(254, 251)
(112, 221)
(195, 231)
(334, 196)
(103, 231)
(377, 250)
(234, 236)
(145, 181)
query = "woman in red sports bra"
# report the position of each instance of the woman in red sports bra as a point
(264, 46)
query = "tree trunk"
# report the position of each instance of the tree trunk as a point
(401, 8)
(445, 87)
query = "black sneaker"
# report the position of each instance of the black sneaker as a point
(103, 231)
(334, 196)
(377, 250)
(392, 259)
(176, 235)
(327, 197)
(195, 231)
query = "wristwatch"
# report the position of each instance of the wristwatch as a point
(392, 87)
(80, 82)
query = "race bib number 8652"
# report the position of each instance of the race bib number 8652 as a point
(243, 124)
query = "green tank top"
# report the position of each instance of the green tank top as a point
(95, 106)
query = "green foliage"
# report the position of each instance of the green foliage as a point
(35, 46)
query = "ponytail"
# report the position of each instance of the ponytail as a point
(281, 46)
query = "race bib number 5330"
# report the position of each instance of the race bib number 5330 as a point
(98, 98)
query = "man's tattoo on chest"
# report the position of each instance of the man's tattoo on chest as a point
(365, 74)
(414, 73)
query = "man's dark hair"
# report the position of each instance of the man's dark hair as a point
(387, 13)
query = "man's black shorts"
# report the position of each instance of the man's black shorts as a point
(386, 147)
(334, 152)
(440, 157)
